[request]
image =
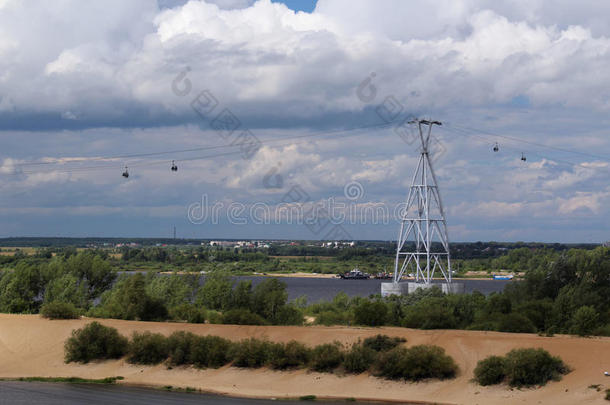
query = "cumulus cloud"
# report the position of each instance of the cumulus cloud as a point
(266, 54)
(78, 90)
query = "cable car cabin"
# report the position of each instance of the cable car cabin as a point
(523, 158)
(496, 147)
(174, 167)
(126, 173)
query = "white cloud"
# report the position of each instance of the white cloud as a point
(591, 202)
(461, 61)
(466, 52)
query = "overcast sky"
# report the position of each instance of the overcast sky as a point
(87, 88)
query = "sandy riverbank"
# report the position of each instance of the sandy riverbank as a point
(326, 276)
(31, 346)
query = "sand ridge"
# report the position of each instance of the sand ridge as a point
(32, 346)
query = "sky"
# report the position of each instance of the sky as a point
(264, 106)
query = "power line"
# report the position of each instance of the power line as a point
(462, 132)
(174, 152)
(515, 139)
(338, 134)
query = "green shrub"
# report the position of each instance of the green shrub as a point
(59, 310)
(429, 314)
(290, 355)
(326, 357)
(94, 341)
(187, 312)
(389, 364)
(128, 300)
(491, 370)
(584, 321)
(179, 346)
(526, 367)
(416, 363)
(214, 317)
(371, 313)
(216, 291)
(251, 353)
(289, 315)
(602, 331)
(242, 316)
(147, 348)
(359, 359)
(382, 343)
(269, 297)
(210, 351)
(516, 323)
(329, 318)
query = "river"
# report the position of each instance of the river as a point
(317, 289)
(39, 393)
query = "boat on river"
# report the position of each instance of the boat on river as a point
(355, 274)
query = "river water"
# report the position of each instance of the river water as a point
(38, 393)
(317, 289)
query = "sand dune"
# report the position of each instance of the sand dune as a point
(31, 346)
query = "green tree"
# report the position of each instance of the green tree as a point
(20, 289)
(94, 270)
(585, 320)
(216, 292)
(241, 296)
(268, 299)
(172, 290)
(371, 313)
(129, 300)
(66, 288)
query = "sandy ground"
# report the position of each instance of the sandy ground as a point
(298, 275)
(32, 346)
(321, 275)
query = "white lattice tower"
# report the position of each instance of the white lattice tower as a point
(423, 221)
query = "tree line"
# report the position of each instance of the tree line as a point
(562, 292)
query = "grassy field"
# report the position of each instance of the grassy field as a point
(11, 251)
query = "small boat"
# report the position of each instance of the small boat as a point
(355, 274)
(384, 276)
(508, 277)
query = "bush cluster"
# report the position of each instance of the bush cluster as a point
(520, 367)
(289, 355)
(187, 312)
(416, 363)
(94, 341)
(381, 353)
(210, 351)
(359, 358)
(59, 310)
(382, 343)
(147, 348)
(491, 370)
(251, 353)
(326, 357)
(242, 316)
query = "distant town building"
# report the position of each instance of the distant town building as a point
(239, 244)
